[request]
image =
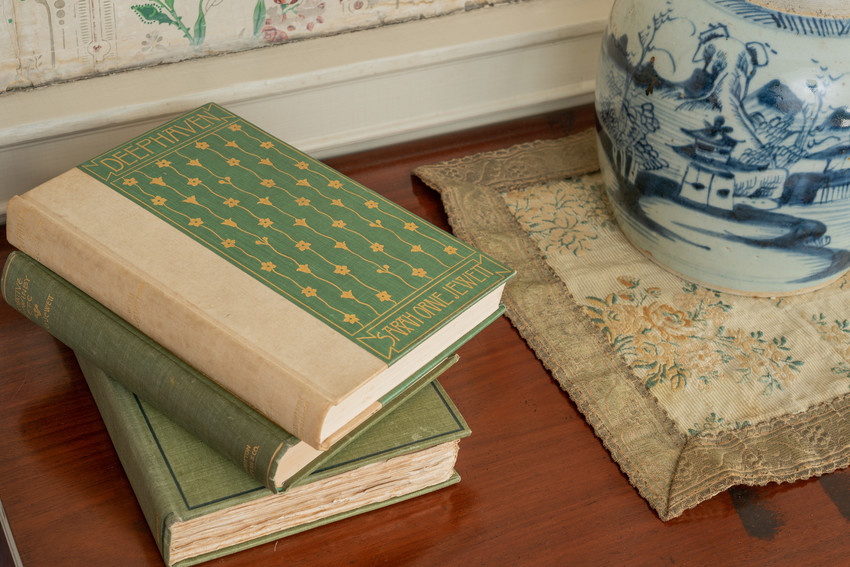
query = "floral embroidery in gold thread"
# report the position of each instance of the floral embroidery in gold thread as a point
(684, 340)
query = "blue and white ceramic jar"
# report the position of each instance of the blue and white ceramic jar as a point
(724, 138)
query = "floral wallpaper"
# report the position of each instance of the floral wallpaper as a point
(44, 41)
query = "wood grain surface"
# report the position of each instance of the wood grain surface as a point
(537, 488)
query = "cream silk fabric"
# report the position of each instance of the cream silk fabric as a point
(692, 391)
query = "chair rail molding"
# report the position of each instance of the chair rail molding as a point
(329, 95)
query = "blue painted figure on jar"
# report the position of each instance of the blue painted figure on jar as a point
(724, 139)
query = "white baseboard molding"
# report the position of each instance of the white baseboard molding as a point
(327, 96)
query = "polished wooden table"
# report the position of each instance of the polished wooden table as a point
(538, 487)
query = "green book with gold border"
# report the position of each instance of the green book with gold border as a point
(292, 286)
(197, 513)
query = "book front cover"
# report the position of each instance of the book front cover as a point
(366, 267)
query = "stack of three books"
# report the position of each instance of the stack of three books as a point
(260, 333)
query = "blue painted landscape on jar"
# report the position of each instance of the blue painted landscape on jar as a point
(756, 163)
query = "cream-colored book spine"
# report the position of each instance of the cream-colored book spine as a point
(269, 346)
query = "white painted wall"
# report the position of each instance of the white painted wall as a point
(336, 95)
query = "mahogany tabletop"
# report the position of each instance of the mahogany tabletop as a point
(537, 488)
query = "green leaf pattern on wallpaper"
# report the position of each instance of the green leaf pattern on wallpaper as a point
(259, 16)
(163, 12)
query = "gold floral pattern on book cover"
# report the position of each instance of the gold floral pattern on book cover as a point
(362, 264)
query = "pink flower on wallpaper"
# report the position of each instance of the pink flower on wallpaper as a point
(273, 35)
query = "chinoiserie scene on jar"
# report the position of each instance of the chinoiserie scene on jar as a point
(724, 130)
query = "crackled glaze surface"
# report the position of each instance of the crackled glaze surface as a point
(724, 127)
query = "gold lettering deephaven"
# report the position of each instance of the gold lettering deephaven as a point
(148, 147)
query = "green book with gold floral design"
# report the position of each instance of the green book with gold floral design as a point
(292, 286)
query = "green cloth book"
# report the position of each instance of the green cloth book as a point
(197, 513)
(263, 449)
(292, 286)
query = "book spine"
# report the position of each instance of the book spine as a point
(150, 482)
(192, 400)
(295, 406)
